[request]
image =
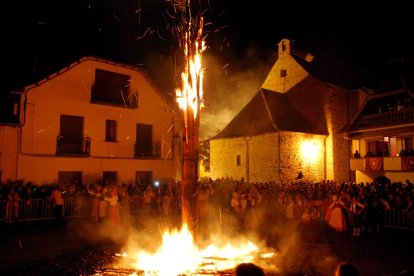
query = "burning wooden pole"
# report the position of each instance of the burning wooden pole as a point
(190, 173)
(189, 97)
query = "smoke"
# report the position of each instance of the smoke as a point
(230, 84)
(300, 250)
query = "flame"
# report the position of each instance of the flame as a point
(190, 95)
(179, 255)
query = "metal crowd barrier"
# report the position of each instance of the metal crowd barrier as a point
(401, 219)
(77, 207)
(81, 207)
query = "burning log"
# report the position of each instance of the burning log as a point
(190, 174)
(189, 97)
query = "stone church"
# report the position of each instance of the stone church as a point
(290, 129)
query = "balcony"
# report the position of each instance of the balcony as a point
(393, 163)
(73, 146)
(149, 151)
(391, 118)
(121, 98)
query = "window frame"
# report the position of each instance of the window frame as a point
(109, 124)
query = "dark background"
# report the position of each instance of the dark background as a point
(356, 44)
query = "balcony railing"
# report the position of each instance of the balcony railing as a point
(77, 146)
(390, 163)
(391, 118)
(151, 151)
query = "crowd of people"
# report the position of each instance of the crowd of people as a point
(346, 207)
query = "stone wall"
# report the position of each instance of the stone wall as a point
(259, 158)
(223, 154)
(292, 160)
(338, 148)
(264, 158)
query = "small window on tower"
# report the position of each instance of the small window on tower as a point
(283, 73)
(238, 160)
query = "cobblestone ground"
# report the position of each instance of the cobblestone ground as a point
(80, 248)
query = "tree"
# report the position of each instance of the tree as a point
(204, 153)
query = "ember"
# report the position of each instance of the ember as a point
(179, 255)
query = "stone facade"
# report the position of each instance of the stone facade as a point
(259, 158)
(274, 157)
(223, 154)
(338, 148)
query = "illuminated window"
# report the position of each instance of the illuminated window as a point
(238, 160)
(110, 132)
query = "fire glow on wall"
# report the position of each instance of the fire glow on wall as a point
(311, 151)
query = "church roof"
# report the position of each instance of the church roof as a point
(267, 112)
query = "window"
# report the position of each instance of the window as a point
(110, 132)
(70, 140)
(110, 178)
(408, 143)
(10, 108)
(143, 145)
(113, 88)
(238, 160)
(283, 73)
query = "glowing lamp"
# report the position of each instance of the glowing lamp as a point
(310, 151)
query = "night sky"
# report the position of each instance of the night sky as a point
(365, 45)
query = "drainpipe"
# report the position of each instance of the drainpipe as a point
(1, 153)
(325, 161)
(280, 180)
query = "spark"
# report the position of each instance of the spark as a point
(158, 34)
(225, 66)
(144, 34)
(219, 29)
(123, 99)
(168, 153)
(41, 130)
(117, 18)
(173, 17)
